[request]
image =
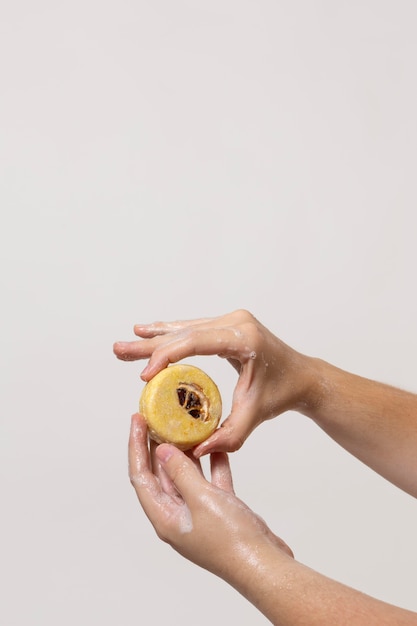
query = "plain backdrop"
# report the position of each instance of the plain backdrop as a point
(179, 159)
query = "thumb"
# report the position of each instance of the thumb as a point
(243, 419)
(232, 434)
(181, 470)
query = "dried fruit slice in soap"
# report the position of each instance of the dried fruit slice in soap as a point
(182, 405)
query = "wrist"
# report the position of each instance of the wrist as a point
(328, 392)
(313, 378)
(258, 571)
(252, 556)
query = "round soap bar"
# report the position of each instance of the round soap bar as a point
(181, 405)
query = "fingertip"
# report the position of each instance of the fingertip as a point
(222, 440)
(137, 425)
(137, 448)
(211, 444)
(143, 330)
(164, 452)
(122, 351)
(207, 447)
(220, 456)
(145, 374)
(221, 474)
(152, 369)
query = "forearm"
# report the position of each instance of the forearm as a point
(291, 594)
(375, 422)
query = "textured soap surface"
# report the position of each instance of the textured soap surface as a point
(182, 405)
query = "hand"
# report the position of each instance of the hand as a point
(273, 377)
(210, 526)
(204, 521)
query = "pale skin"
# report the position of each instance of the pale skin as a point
(206, 522)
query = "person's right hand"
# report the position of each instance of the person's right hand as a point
(205, 522)
(273, 377)
(202, 520)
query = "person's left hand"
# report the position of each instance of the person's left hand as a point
(204, 521)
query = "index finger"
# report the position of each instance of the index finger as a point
(222, 341)
(163, 328)
(145, 483)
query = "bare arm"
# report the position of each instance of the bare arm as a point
(206, 523)
(375, 422)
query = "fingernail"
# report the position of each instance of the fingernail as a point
(164, 452)
(199, 451)
(134, 424)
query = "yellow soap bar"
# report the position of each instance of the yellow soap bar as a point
(181, 405)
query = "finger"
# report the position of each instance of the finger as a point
(162, 328)
(155, 335)
(194, 460)
(166, 513)
(134, 350)
(157, 469)
(231, 435)
(183, 472)
(166, 484)
(205, 342)
(186, 342)
(146, 485)
(221, 475)
(241, 422)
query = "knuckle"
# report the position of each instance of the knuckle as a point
(243, 316)
(249, 325)
(188, 340)
(178, 471)
(253, 334)
(134, 480)
(138, 484)
(233, 441)
(162, 356)
(162, 533)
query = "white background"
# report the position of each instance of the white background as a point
(178, 159)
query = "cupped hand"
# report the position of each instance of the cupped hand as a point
(273, 377)
(204, 521)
